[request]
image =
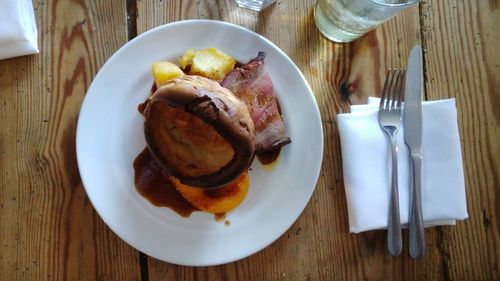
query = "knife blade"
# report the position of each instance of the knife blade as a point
(412, 124)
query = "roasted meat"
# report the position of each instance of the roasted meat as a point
(253, 85)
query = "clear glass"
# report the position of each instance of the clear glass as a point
(255, 5)
(347, 20)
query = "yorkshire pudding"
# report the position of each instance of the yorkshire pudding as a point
(199, 132)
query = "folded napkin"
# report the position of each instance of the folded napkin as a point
(18, 35)
(366, 163)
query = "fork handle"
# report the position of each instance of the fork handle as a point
(394, 238)
(416, 228)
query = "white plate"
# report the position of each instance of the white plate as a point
(110, 136)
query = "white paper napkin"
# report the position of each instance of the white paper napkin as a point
(366, 164)
(18, 35)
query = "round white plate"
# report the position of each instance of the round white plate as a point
(110, 136)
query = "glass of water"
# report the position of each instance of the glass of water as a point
(347, 20)
(255, 5)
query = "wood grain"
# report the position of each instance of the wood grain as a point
(460, 41)
(50, 231)
(48, 228)
(318, 246)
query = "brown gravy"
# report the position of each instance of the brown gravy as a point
(220, 217)
(153, 185)
(268, 157)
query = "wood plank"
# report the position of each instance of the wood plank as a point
(48, 228)
(318, 246)
(462, 61)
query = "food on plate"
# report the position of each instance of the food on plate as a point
(219, 200)
(199, 131)
(253, 85)
(166, 191)
(163, 71)
(204, 122)
(211, 63)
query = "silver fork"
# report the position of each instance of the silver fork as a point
(389, 119)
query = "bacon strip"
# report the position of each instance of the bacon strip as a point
(253, 85)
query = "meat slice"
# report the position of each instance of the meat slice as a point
(253, 85)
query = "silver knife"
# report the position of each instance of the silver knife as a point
(412, 123)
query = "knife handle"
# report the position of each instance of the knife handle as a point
(416, 228)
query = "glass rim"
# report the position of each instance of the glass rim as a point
(407, 3)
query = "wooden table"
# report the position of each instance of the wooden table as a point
(50, 231)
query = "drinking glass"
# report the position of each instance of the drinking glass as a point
(347, 20)
(255, 5)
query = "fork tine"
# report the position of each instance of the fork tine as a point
(401, 88)
(383, 96)
(391, 93)
(391, 85)
(394, 88)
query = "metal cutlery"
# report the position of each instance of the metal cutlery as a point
(389, 118)
(412, 123)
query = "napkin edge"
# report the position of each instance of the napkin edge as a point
(18, 49)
